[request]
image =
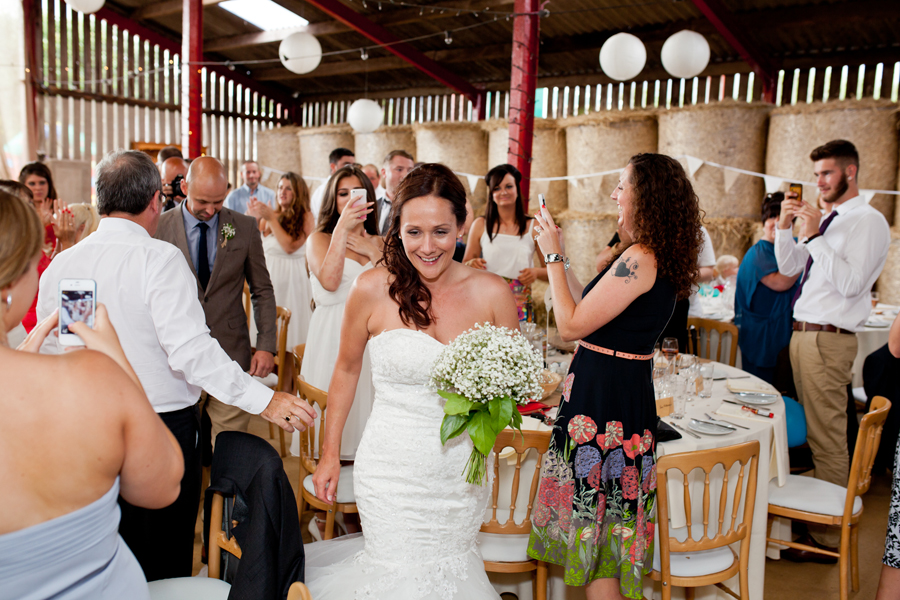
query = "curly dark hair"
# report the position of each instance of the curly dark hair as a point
(406, 287)
(329, 215)
(667, 218)
(292, 217)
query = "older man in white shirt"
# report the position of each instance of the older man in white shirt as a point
(151, 297)
(840, 256)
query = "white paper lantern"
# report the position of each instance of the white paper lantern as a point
(300, 53)
(685, 54)
(365, 116)
(86, 6)
(623, 56)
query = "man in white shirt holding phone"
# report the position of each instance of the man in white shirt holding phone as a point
(151, 297)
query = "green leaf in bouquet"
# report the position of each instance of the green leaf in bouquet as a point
(482, 432)
(457, 404)
(501, 412)
(516, 419)
(452, 426)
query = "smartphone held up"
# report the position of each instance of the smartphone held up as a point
(77, 302)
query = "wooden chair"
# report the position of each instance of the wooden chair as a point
(275, 380)
(683, 559)
(345, 500)
(698, 325)
(817, 501)
(504, 545)
(248, 306)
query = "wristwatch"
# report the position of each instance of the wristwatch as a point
(554, 258)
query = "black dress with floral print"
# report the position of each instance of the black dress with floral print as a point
(595, 510)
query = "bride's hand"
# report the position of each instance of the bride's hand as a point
(325, 479)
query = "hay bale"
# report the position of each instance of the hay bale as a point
(460, 145)
(278, 148)
(548, 159)
(794, 131)
(373, 147)
(316, 144)
(601, 142)
(586, 235)
(731, 235)
(888, 285)
(729, 133)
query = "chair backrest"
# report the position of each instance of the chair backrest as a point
(521, 443)
(282, 320)
(867, 442)
(297, 355)
(247, 304)
(299, 591)
(728, 531)
(308, 438)
(218, 538)
(710, 325)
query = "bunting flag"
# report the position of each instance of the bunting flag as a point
(265, 173)
(773, 184)
(473, 181)
(730, 177)
(867, 195)
(694, 163)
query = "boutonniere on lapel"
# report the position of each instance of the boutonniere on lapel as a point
(227, 233)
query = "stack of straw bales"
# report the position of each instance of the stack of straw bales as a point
(548, 159)
(462, 146)
(278, 148)
(794, 131)
(315, 146)
(373, 147)
(889, 281)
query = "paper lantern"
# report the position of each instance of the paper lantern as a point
(365, 116)
(685, 54)
(623, 56)
(86, 6)
(300, 53)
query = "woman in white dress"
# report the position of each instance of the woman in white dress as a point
(344, 245)
(285, 230)
(502, 241)
(420, 518)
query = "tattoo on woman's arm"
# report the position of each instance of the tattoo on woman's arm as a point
(626, 268)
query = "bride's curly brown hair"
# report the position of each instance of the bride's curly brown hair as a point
(667, 218)
(406, 287)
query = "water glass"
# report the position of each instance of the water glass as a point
(678, 403)
(687, 372)
(706, 372)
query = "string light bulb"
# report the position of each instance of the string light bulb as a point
(364, 54)
(448, 39)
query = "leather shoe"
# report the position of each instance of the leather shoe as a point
(797, 555)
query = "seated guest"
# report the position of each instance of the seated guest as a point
(762, 313)
(339, 157)
(58, 528)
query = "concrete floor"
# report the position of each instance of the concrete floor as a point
(784, 580)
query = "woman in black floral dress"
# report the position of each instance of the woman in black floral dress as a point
(595, 509)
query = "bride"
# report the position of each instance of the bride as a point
(419, 516)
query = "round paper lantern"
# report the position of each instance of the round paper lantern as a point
(685, 54)
(622, 56)
(86, 6)
(365, 116)
(300, 53)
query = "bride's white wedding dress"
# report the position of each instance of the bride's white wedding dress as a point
(419, 517)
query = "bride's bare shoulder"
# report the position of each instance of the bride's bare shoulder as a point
(372, 282)
(485, 282)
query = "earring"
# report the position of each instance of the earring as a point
(8, 301)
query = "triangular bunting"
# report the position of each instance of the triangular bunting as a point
(694, 163)
(265, 173)
(473, 181)
(867, 195)
(772, 183)
(730, 178)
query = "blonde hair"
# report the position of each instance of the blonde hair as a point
(85, 214)
(21, 239)
(725, 262)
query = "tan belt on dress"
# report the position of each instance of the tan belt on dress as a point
(615, 353)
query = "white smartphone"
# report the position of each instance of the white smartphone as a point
(357, 197)
(543, 202)
(77, 302)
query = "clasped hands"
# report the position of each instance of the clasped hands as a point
(792, 207)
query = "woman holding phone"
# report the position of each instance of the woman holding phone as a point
(59, 527)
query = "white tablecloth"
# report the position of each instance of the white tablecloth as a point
(773, 464)
(871, 339)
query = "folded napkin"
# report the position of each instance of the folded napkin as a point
(749, 385)
(733, 410)
(532, 407)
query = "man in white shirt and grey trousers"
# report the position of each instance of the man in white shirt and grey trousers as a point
(840, 256)
(151, 297)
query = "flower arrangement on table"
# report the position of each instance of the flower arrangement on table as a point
(484, 374)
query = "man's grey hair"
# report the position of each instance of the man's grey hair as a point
(126, 182)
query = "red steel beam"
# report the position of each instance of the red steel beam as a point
(523, 81)
(191, 84)
(729, 28)
(380, 35)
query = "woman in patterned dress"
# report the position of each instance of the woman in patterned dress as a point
(595, 509)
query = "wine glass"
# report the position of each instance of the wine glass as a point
(669, 348)
(687, 373)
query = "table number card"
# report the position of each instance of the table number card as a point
(664, 407)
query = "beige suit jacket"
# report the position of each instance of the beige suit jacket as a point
(241, 257)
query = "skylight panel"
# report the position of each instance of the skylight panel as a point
(265, 14)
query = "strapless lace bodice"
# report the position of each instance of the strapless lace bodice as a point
(401, 369)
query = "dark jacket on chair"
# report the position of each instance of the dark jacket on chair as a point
(268, 529)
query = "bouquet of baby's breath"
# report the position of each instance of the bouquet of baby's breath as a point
(484, 374)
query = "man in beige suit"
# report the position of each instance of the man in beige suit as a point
(223, 247)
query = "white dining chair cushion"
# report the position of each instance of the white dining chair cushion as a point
(189, 588)
(501, 547)
(345, 485)
(812, 495)
(270, 380)
(693, 564)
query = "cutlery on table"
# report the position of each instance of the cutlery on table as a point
(717, 423)
(680, 428)
(711, 418)
(762, 412)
